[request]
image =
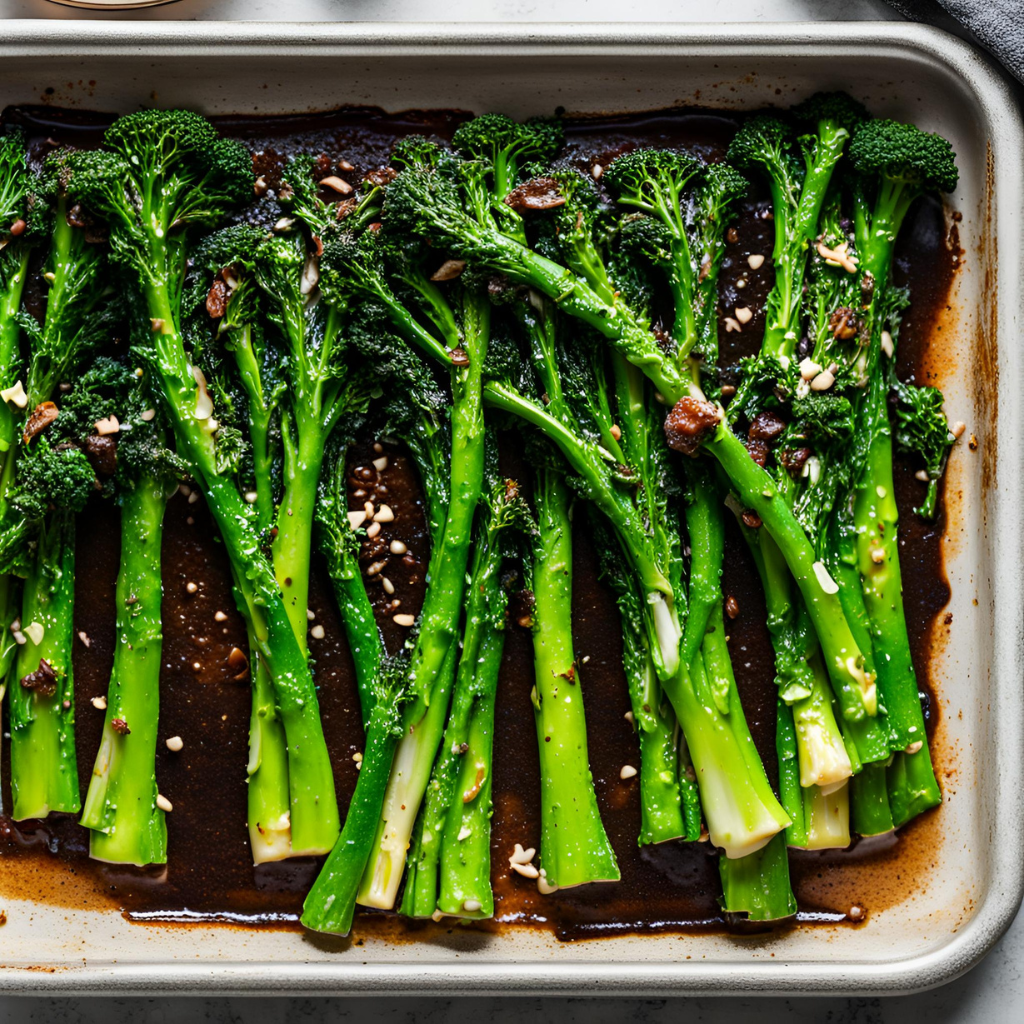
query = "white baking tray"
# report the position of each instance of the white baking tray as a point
(968, 889)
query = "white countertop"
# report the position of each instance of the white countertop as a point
(993, 992)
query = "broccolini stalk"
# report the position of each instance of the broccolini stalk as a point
(127, 826)
(330, 904)
(741, 811)
(798, 194)
(15, 199)
(44, 775)
(895, 163)
(430, 668)
(449, 870)
(232, 301)
(340, 544)
(159, 175)
(413, 412)
(757, 886)
(820, 755)
(669, 801)
(649, 174)
(574, 848)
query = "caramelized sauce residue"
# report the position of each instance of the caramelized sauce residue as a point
(672, 887)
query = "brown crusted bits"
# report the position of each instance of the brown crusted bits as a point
(758, 451)
(217, 299)
(732, 607)
(43, 681)
(535, 194)
(793, 459)
(345, 207)
(842, 322)
(570, 673)
(689, 423)
(459, 356)
(449, 270)
(120, 726)
(766, 426)
(18, 227)
(39, 419)
(521, 607)
(101, 453)
(381, 176)
(750, 518)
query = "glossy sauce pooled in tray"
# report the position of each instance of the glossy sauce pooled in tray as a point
(206, 702)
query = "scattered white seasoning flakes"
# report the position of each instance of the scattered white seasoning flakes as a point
(404, 620)
(472, 906)
(175, 743)
(19, 637)
(825, 581)
(755, 261)
(809, 369)
(521, 856)
(164, 804)
(192, 587)
(147, 414)
(99, 703)
(384, 515)
(465, 833)
(922, 475)
(596, 171)
(251, 496)
(310, 614)
(526, 870)
(317, 632)
(84, 637)
(357, 757)
(35, 632)
(16, 395)
(823, 381)
(627, 772)
(220, 617)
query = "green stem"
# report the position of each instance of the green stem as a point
(120, 806)
(757, 886)
(330, 904)
(44, 772)
(869, 804)
(574, 848)
(854, 689)
(432, 663)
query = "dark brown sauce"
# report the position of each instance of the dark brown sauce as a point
(672, 887)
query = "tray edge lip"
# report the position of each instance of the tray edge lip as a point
(989, 89)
